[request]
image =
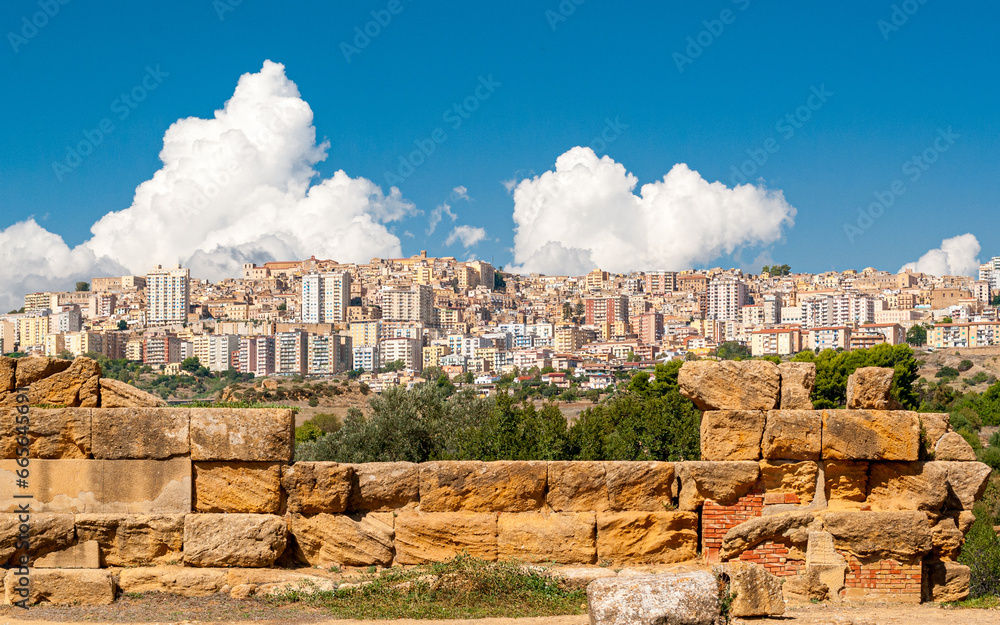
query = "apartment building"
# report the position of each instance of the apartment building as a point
(726, 296)
(776, 342)
(972, 334)
(325, 297)
(365, 333)
(415, 303)
(215, 351)
(256, 355)
(168, 295)
(32, 329)
(161, 349)
(329, 354)
(829, 338)
(407, 350)
(290, 352)
(605, 310)
(366, 357)
(659, 282)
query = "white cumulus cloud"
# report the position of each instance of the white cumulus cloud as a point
(238, 187)
(586, 214)
(437, 215)
(957, 256)
(467, 235)
(461, 193)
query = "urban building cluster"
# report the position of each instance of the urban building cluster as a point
(320, 317)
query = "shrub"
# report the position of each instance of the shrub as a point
(991, 456)
(327, 422)
(965, 365)
(995, 439)
(307, 432)
(313, 402)
(947, 373)
(981, 554)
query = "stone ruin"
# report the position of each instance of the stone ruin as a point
(841, 504)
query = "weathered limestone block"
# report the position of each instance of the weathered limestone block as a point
(325, 540)
(259, 435)
(730, 384)
(52, 433)
(755, 591)
(475, 486)
(83, 555)
(141, 433)
(382, 486)
(907, 486)
(317, 487)
(63, 587)
(90, 392)
(174, 580)
(966, 482)
(664, 599)
(869, 388)
(902, 536)
(118, 394)
(790, 527)
(946, 581)
(846, 480)
(423, 537)
(828, 566)
(948, 539)
(952, 446)
(792, 435)
(46, 533)
(871, 435)
(34, 368)
(647, 537)
(134, 539)
(220, 540)
(237, 487)
(8, 378)
(934, 425)
(563, 538)
(722, 482)
(731, 434)
(577, 487)
(74, 386)
(806, 588)
(639, 485)
(797, 382)
(787, 476)
(130, 486)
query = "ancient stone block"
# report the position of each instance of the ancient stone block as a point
(482, 486)
(381, 486)
(259, 435)
(947, 539)
(902, 536)
(869, 388)
(52, 433)
(730, 384)
(141, 433)
(907, 486)
(647, 537)
(317, 487)
(325, 540)
(577, 487)
(117, 394)
(639, 485)
(946, 581)
(8, 378)
(220, 540)
(846, 480)
(786, 476)
(76, 385)
(788, 527)
(46, 533)
(797, 382)
(174, 580)
(34, 368)
(966, 482)
(83, 555)
(63, 587)
(755, 591)
(871, 435)
(134, 539)
(731, 434)
(952, 446)
(722, 482)
(423, 537)
(253, 487)
(131, 486)
(934, 425)
(563, 538)
(792, 435)
(664, 599)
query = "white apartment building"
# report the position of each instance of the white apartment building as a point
(290, 352)
(257, 355)
(215, 351)
(366, 357)
(725, 299)
(168, 295)
(413, 304)
(407, 350)
(325, 297)
(329, 354)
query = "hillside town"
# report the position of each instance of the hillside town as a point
(391, 318)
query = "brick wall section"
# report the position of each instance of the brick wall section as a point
(774, 557)
(884, 580)
(716, 520)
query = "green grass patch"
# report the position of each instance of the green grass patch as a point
(981, 603)
(235, 404)
(464, 587)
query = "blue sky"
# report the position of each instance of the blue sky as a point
(561, 73)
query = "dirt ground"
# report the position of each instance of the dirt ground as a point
(232, 612)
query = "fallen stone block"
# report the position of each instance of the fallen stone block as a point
(578, 577)
(258, 435)
(637, 485)
(141, 433)
(892, 435)
(846, 480)
(966, 482)
(473, 486)
(902, 536)
(664, 599)
(252, 487)
(731, 434)
(62, 587)
(792, 435)
(730, 384)
(755, 591)
(947, 538)
(577, 487)
(74, 386)
(806, 588)
(788, 527)
(35, 368)
(117, 394)
(907, 486)
(383, 486)
(317, 487)
(424, 537)
(952, 446)
(325, 540)
(134, 539)
(562, 538)
(934, 425)
(946, 581)
(721, 482)
(83, 555)
(53, 433)
(174, 580)
(870, 388)
(46, 533)
(797, 382)
(790, 477)
(647, 537)
(221, 540)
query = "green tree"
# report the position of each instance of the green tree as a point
(567, 311)
(395, 365)
(191, 364)
(946, 320)
(65, 355)
(82, 286)
(996, 300)
(123, 325)
(499, 282)
(732, 350)
(917, 335)
(833, 368)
